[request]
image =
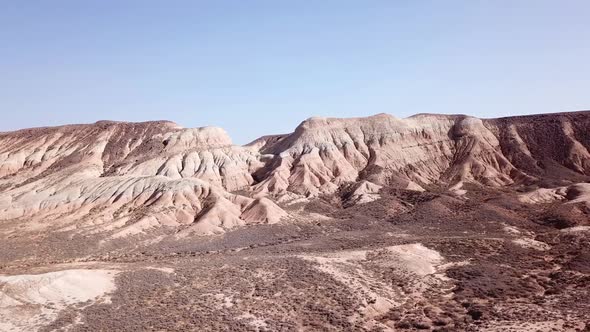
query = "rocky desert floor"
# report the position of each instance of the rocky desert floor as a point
(432, 261)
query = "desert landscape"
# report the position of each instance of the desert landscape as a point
(431, 222)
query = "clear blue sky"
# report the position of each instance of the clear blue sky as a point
(260, 67)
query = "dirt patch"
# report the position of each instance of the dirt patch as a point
(28, 302)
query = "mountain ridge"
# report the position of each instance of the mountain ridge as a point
(156, 174)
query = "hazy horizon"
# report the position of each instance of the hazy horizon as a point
(262, 67)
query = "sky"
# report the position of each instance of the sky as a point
(261, 67)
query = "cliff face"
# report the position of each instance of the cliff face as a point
(426, 149)
(133, 149)
(130, 178)
(126, 178)
(541, 145)
(323, 153)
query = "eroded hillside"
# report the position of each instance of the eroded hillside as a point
(432, 222)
